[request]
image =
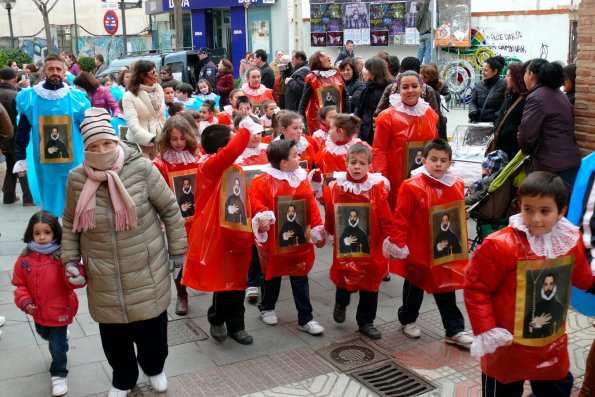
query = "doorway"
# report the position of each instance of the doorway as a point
(222, 31)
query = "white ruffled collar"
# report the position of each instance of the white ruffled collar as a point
(418, 110)
(251, 152)
(204, 97)
(254, 91)
(359, 187)
(340, 150)
(300, 146)
(204, 124)
(554, 244)
(321, 134)
(228, 109)
(294, 178)
(50, 95)
(325, 73)
(175, 157)
(449, 179)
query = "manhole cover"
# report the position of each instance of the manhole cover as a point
(351, 354)
(390, 379)
(183, 331)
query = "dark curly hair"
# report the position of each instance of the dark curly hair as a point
(349, 62)
(516, 78)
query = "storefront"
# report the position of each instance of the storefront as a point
(217, 24)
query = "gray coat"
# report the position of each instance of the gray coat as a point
(128, 271)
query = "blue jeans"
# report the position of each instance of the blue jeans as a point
(424, 54)
(56, 336)
(301, 296)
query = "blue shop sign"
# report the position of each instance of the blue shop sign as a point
(168, 5)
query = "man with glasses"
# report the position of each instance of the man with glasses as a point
(167, 76)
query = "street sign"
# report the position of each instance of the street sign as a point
(110, 22)
(109, 6)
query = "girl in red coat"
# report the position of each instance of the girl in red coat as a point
(325, 116)
(283, 193)
(177, 164)
(44, 290)
(291, 127)
(358, 216)
(517, 292)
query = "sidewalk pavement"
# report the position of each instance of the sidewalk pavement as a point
(283, 361)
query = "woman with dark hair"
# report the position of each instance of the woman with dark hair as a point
(73, 65)
(144, 107)
(255, 91)
(508, 119)
(119, 89)
(225, 82)
(100, 96)
(323, 86)
(487, 95)
(569, 81)
(546, 131)
(429, 74)
(352, 82)
(377, 79)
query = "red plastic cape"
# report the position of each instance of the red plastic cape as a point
(317, 100)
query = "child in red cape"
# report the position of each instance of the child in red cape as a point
(221, 237)
(430, 255)
(517, 292)
(291, 126)
(283, 193)
(358, 216)
(325, 115)
(177, 145)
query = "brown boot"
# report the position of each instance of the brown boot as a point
(182, 306)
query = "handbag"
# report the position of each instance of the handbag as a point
(493, 142)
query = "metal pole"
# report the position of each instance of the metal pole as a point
(123, 8)
(76, 35)
(10, 25)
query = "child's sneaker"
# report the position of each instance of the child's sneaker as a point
(67, 334)
(268, 317)
(313, 328)
(412, 330)
(158, 382)
(462, 339)
(252, 295)
(59, 386)
(115, 392)
(339, 314)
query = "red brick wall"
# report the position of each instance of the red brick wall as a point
(584, 108)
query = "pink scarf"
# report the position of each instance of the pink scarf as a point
(101, 167)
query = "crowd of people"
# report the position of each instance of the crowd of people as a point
(222, 186)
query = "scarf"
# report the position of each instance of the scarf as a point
(156, 100)
(101, 167)
(45, 249)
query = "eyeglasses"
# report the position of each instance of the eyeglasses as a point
(152, 73)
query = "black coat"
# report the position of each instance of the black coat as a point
(208, 71)
(295, 88)
(267, 76)
(8, 95)
(364, 109)
(355, 88)
(478, 98)
(507, 136)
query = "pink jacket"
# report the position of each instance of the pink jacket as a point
(41, 280)
(102, 98)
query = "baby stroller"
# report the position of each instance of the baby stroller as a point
(492, 211)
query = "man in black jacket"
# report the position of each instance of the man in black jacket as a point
(208, 70)
(347, 52)
(295, 84)
(267, 75)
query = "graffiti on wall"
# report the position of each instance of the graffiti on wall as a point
(111, 47)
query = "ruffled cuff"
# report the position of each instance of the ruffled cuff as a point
(318, 234)
(262, 237)
(392, 251)
(19, 166)
(330, 239)
(316, 186)
(489, 341)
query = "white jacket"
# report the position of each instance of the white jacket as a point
(144, 122)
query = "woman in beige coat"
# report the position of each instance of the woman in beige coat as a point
(115, 203)
(144, 107)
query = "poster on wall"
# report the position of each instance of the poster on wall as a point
(318, 39)
(260, 35)
(356, 23)
(411, 33)
(334, 39)
(387, 17)
(454, 24)
(325, 18)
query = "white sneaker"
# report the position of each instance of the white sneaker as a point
(268, 317)
(313, 328)
(59, 386)
(115, 392)
(252, 295)
(2, 320)
(159, 382)
(67, 334)
(462, 339)
(412, 330)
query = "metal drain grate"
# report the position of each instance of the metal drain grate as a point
(351, 354)
(184, 331)
(390, 379)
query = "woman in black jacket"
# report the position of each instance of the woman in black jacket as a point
(487, 95)
(352, 83)
(509, 117)
(377, 79)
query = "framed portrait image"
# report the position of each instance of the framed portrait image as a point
(55, 140)
(542, 300)
(122, 131)
(448, 230)
(250, 171)
(352, 228)
(293, 224)
(413, 157)
(329, 95)
(182, 183)
(233, 210)
(327, 179)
